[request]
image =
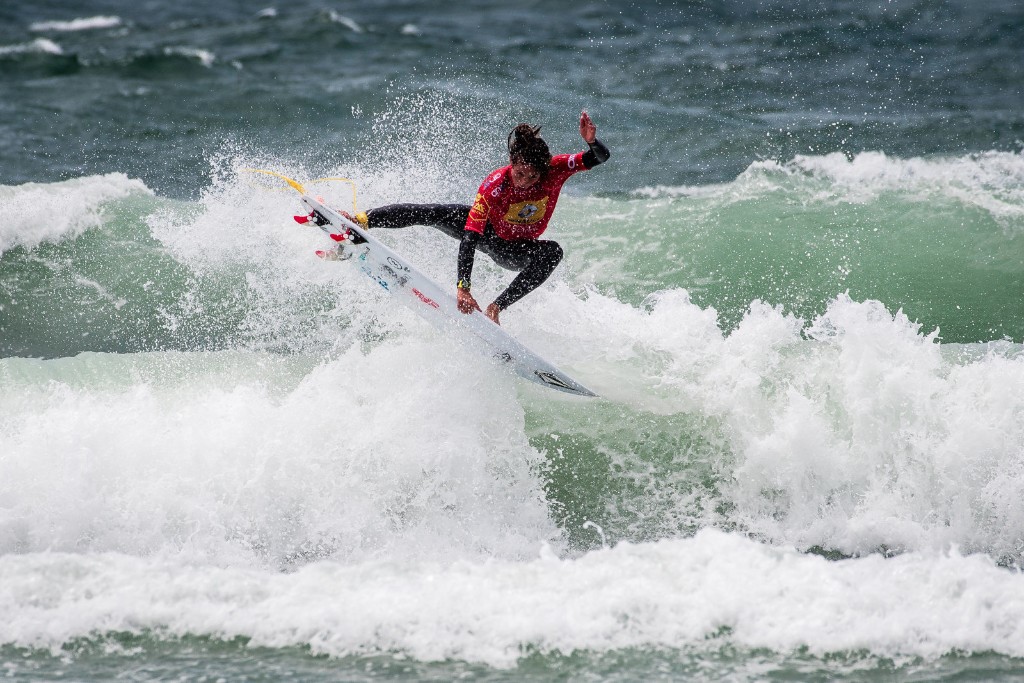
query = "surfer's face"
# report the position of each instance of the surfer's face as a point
(524, 175)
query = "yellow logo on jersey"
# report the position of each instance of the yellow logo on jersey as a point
(524, 213)
(479, 210)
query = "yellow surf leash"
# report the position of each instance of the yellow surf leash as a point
(298, 187)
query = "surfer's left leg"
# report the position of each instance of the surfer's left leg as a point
(448, 218)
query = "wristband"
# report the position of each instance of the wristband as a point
(463, 284)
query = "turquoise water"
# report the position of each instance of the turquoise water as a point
(796, 286)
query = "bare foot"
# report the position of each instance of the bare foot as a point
(492, 313)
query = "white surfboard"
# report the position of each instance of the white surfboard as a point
(438, 306)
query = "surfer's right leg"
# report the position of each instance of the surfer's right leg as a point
(448, 218)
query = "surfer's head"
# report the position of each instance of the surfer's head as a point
(528, 154)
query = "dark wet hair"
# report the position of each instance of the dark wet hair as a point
(526, 146)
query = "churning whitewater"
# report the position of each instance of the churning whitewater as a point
(320, 469)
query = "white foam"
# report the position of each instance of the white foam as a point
(345, 21)
(38, 46)
(993, 181)
(34, 213)
(204, 57)
(398, 452)
(709, 592)
(83, 24)
(856, 432)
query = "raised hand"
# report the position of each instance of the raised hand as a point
(587, 128)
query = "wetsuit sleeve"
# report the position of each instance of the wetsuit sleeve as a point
(597, 154)
(467, 254)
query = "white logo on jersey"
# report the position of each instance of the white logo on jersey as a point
(527, 211)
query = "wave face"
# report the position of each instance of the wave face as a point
(937, 239)
(796, 286)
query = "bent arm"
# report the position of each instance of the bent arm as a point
(467, 254)
(467, 250)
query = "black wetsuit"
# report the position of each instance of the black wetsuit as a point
(535, 259)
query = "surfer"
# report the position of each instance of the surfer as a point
(511, 211)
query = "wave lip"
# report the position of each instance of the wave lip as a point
(40, 46)
(34, 213)
(204, 57)
(83, 24)
(992, 181)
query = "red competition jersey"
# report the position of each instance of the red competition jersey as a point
(521, 214)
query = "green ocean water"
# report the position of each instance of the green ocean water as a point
(197, 659)
(793, 236)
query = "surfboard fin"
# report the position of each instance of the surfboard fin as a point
(338, 253)
(314, 217)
